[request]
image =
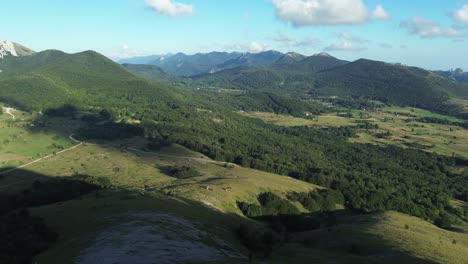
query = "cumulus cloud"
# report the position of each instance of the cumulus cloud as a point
(169, 7)
(429, 29)
(256, 47)
(326, 12)
(461, 15)
(344, 46)
(380, 13)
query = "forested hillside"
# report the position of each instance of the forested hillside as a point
(323, 75)
(370, 177)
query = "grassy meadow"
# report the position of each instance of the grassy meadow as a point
(439, 138)
(21, 143)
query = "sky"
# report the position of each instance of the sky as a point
(432, 34)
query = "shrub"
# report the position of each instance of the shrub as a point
(182, 172)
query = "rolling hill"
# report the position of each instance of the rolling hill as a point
(53, 78)
(390, 83)
(323, 75)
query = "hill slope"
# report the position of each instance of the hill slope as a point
(53, 78)
(323, 75)
(389, 83)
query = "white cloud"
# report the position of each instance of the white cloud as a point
(169, 7)
(123, 52)
(325, 12)
(351, 37)
(461, 15)
(380, 13)
(344, 46)
(256, 47)
(429, 29)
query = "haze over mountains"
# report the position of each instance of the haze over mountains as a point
(189, 65)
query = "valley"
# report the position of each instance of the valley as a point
(283, 158)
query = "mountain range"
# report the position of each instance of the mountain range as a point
(324, 75)
(455, 74)
(181, 64)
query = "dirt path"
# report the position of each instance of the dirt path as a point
(80, 143)
(9, 111)
(41, 159)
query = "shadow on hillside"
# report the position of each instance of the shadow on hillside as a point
(341, 236)
(60, 201)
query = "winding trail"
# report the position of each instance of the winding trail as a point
(81, 143)
(41, 159)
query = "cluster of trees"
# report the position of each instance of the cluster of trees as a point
(435, 120)
(318, 200)
(111, 131)
(270, 204)
(181, 172)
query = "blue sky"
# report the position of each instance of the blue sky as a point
(427, 33)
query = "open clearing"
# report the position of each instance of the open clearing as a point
(280, 120)
(443, 139)
(21, 143)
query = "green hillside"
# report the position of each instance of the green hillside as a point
(389, 83)
(52, 78)
(323, 75)
(110, 105)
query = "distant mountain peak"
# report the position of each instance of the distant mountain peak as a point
(8, 48)
(290, 57)
(323, 54)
